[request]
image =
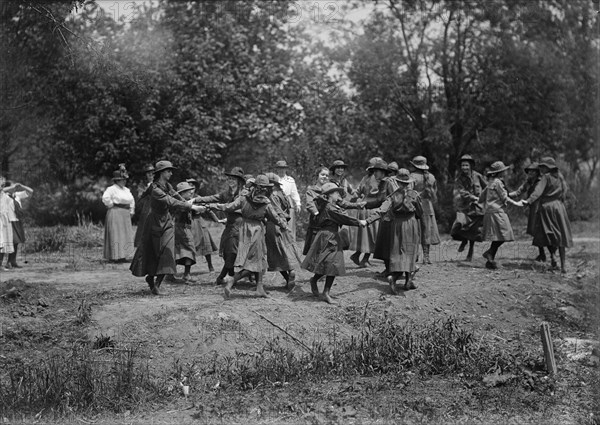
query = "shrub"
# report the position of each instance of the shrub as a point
(46, 239)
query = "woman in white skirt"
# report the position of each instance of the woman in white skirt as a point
(118, 232)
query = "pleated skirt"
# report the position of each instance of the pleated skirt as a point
(497, 228)
(118, 234)
(552, 226)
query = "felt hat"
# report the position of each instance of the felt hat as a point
(273, 178)
(548, 162)
(118, 175)
(148, 168)
(337, 164)
(183, 186)
(162, 166)
(497, 167)
(281, 164)
(262, 180)
(193, 182)
(533, 166)
(403, 176)
(466, 158)
(373, 161)
(378, 164)
(393, 167)
(420, 162)
(328, 188)
(236, 172)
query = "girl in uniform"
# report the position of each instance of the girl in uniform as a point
(185, 247)
(325, 256)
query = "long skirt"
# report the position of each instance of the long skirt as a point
(281, 251)
(363, 239)
(497, 228)
(184, 244)
(230, 240)
(383, 241)
(205, 245)
(18, 231)
(6, 235)
(405, 243)
(552, 226)
(156, 253)
(252, 248)
(143, 219)
(467, 227)
(325, 255)
(429, 230)
(118, 234)
(531, 217)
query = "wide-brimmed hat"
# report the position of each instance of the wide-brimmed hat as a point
(393, 167)
(328, 188)
(337, 164)
(373, 161)
(236, 172)
(148, 168)
(534, 166)
(273, 178)
(118, 175)
(193, 182)
(548, 162)
(262, 180)
(497, 167)
(183, 186)
(378, 164)
(281, 164)
(420, 162)
(466, 158)
(162, 166)
(403, 176)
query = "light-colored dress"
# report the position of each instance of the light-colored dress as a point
(6, 232)
(426, 185)
(118, 231)
(496, 224)
(288, 186)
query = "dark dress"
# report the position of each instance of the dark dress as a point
(252, 249)
(281, 251)
(325, 255)
(552, 225)
(143, 206)
(384, 240)
(156, 253)
(185, 248)
(228, 247)
(469, 212)
(402, 209)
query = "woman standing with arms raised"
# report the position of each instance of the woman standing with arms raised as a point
(155, 257)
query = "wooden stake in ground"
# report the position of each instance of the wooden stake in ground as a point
(548, 348)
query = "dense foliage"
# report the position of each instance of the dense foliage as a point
(210, 85)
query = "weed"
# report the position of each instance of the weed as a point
(84, 312)
(46, 239)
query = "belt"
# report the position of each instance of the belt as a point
(124, 206)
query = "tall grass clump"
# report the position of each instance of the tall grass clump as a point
(382, 348)
(86, 381)
(46, 239)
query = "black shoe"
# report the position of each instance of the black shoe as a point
(15, 266)
(540, 258)
(355, 258)
(487, 255)
(491, 265)
(462, 246)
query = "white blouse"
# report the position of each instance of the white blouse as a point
(116, 195)
(18, 197)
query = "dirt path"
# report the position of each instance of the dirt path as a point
(192, 322)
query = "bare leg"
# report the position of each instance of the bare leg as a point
(291, 281)
(328, 285)
(230, 281)
(260, 290)
(313, 284)
(392, 278)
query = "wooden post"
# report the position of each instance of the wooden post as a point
(548, 348)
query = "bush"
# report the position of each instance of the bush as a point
(46, 239)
